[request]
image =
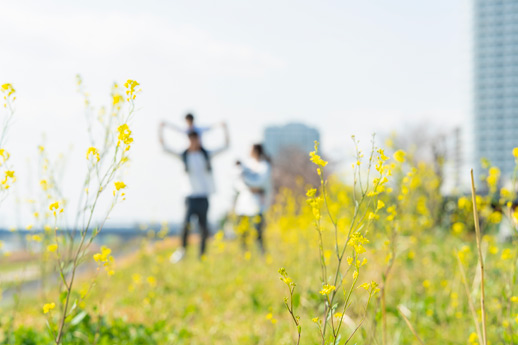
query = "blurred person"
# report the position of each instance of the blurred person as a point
(507, 226)
(191, 126)
(197, 163)
(253, 193)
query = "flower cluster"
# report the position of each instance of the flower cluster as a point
(327, 289)
(9, 94)
(105, 259)
(48, 307)
(92, 152)
(124, 136)
(315, 202)
(357, 241)
(130, 86)
(7, 176)
(54, 208)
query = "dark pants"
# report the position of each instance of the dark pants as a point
(199, 207)
(259, 228)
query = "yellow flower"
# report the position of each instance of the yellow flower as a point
(493, 249)
(515, 152)
(130, 86)
(495, 217)
(124, 135)
(327, 289)
(104, 256)
(119, 185)
(48, 307)
(492, 179)
(457, 227)
(7, 89)
(399, 156)
(36, 238)
(311, 192)
(117, 98)
(5, 155)
(355, 275)
(94, 152)
(506, 254)
(54, 206)
(44, 185)
(315, 158)
(372, 216)
(52, 247)
(464, 203)
(357, 241)
(381, 204)
(9, 174)
(151, 281)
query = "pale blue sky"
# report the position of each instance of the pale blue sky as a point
(346, 67)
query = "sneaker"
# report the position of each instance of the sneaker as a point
(177, 256)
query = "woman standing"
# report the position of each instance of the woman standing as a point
(253, 193)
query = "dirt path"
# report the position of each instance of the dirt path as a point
(27, 279)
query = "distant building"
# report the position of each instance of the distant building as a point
(496, 82)
(450, 146)
(290, 136)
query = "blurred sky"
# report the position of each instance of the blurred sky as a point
(345, 67)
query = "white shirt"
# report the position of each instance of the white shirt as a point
(253, 174)
(201, 180)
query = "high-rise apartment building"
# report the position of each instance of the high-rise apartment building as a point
(496, 82)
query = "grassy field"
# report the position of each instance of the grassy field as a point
(382, 259)
(235, 296)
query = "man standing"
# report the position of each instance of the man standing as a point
(197, 163)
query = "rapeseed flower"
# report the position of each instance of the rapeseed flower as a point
(92, 151)
(48, 307)
(52, 247)
(399, 156)
(327, 289)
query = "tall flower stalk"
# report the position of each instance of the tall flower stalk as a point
(110, 143)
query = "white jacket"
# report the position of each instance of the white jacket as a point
(253, 176)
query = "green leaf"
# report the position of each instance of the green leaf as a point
(78, 318)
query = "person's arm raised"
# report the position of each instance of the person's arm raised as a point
(162, 141)
(226, 145)
(172, 126)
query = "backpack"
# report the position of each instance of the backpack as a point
(205, 154)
